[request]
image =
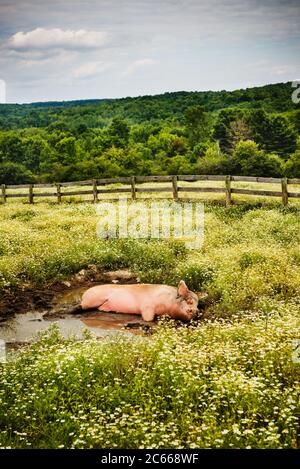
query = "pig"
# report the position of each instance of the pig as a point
(147, 300)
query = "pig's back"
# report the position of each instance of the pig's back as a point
(126, 298)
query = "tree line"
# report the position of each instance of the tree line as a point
(247, 132)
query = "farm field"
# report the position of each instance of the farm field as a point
(228, 379)
(149, 231)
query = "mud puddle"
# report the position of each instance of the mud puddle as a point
(23, 327)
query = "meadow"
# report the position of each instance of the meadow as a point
(227, 379)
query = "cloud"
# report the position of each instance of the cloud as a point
(269, 68)
(138, 64)
(56, 38)
(90, 69)
(59, 46)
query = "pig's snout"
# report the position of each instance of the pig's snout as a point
(192, 313)
(188, 314)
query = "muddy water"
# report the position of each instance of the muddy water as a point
(23, 327)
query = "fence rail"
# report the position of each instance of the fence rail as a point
(98, 187)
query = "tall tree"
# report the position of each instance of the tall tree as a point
(273, 133)
(11, 149)
(228, 127)
(118, 131)
(197, 124)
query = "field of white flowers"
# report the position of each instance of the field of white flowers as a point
(228, 381)
(213, 385)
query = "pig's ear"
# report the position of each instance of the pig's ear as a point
(182, 289)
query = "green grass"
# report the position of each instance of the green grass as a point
(227, 383)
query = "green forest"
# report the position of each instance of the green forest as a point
(253, 132)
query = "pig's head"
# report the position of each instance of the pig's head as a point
(187, 302)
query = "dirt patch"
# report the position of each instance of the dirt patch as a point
(30, 298)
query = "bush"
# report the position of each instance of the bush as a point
(15, 173)
(249, 160)
(292, 166)
(213, 162)
(197, 276)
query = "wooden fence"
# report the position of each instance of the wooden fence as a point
(98, 187)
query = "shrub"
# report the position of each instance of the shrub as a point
(248, 160)
(15, 173)
(292, 166)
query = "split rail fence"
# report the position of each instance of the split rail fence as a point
(98, 187)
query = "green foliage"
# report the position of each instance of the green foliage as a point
(197, 125)
(213, 161)
(273, 133)
(197, 276)
(292, 166)
(66, 148)
(224, 129)
(118, 132)
(10, 148)
(180, 165)
(98, 113)
(165, 134)
(15, 173)
(249, 160)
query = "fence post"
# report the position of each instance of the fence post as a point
(133, 191)
(228, 190)
(30, 195)
(58, 186)
(284, 190)
(175, 188)
(3, 191)
(95, 191)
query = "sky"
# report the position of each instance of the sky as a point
(93, 49)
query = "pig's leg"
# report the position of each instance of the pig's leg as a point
(88, 304)
(104, 306)
(82, 307)
(148, 313)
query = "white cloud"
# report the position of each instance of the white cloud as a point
(282, 70)
(56, 38)
(138, 64)
(270, 68)
(90, 69)
(198, 44)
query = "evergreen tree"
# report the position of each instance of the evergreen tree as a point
(273, 133)
(225, 129)
(197, 124)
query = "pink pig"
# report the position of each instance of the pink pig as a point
(145, 299)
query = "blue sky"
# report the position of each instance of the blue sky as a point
(75, 49)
